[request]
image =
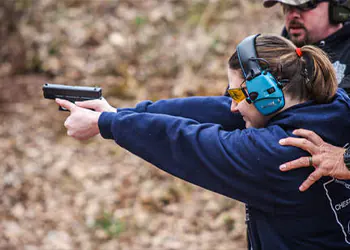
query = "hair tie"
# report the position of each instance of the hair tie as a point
(298, 51)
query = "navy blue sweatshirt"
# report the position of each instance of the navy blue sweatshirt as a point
(198, 140)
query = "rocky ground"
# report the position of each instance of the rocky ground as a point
(58, 193)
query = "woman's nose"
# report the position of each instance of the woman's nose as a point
(234, 108)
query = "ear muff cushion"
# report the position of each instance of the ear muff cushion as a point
(268, 96)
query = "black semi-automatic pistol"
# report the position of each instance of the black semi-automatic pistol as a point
(71, 93)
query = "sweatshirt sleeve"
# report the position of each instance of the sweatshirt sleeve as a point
(232, 163)
(214, 109)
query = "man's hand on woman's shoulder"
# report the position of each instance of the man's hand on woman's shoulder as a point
(328, 160)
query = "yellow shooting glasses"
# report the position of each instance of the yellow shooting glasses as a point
(237, 94)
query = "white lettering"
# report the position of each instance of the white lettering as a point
(342, 204)
(343, 183)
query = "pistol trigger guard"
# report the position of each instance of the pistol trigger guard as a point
(62, 109)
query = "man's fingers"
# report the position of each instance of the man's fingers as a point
(313, 177)
(300, 143)
(298, 163)
(309, 135)
(65, 104)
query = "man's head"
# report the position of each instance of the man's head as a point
(306, 21)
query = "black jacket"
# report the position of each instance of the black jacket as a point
(337, 46)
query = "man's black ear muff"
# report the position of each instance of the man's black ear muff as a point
(339, 11)
(264, 91)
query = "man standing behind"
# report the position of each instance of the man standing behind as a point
(323, 23)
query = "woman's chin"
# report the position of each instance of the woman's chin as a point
(248, 125)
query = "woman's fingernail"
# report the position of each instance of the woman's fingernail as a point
(282, 141)
(283, 167)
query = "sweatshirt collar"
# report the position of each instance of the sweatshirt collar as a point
(310, 109)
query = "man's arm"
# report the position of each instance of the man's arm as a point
(327, 159)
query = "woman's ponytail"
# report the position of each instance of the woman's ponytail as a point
(323, 81)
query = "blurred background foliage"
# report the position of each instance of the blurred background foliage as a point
(134, 42)
(57, 193)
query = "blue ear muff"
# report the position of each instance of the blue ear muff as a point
(264, 91)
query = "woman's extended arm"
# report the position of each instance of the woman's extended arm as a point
(206, 109)
(241, 164)
(213, 109)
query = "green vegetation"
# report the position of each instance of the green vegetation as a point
(111, 226)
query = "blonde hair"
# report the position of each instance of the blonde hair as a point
(308, 77)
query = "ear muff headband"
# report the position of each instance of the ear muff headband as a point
(264, 91)
(339, 11)
(246, 52)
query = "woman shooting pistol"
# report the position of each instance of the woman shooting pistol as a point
(274, 88)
